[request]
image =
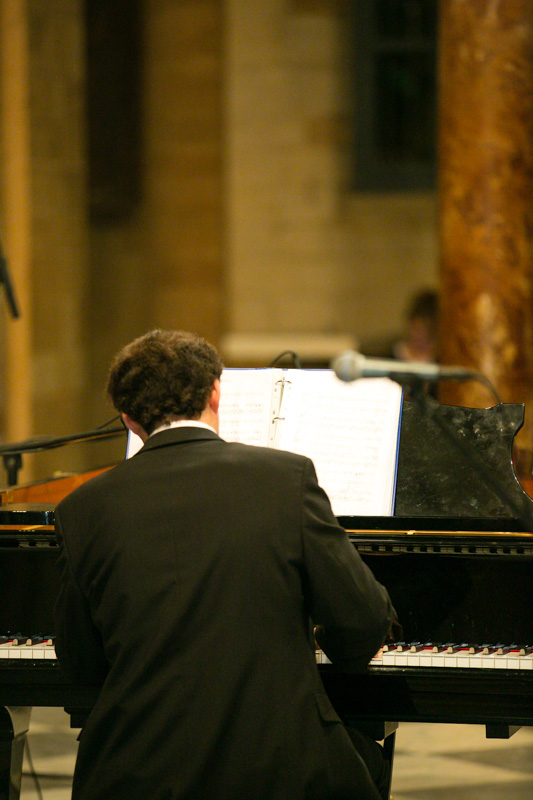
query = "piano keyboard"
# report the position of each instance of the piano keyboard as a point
(394, 655)
(462, 656)
(29, 648)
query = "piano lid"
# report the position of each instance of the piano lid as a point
(455, 470)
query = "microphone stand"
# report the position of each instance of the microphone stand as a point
(8, 286)
(12, 463)
(12, 453)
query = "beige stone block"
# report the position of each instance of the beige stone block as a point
(262, 347)
(195, 308)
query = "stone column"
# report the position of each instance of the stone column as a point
(43, 202)
(184, 175)
(486, 198)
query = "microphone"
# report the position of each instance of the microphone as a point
(350, 365)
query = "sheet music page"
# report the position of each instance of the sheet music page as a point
(249, 405)
(350, 431)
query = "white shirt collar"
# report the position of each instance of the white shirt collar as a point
(183, 423)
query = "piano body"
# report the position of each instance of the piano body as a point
(456, 559)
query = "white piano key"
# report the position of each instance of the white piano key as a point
(500, 661)
(450, 660)
(488, 660)
(475, 660)
(388, 658)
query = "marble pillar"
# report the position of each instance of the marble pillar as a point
(486, 198)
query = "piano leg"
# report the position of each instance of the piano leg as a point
(14, 724)
(500, 730)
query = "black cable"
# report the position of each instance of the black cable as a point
(49, 776)
(109, 422)
(295, 359)
(418, 384)
(32, 774)
(478, 376)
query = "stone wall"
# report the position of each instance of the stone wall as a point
(245, 221)
(305, 253)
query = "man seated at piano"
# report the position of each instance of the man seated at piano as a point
(192, 576)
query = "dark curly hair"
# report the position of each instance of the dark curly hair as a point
(163, 376)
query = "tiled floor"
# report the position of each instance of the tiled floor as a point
(432, 762)
(457, 762)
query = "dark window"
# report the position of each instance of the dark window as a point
(113, 38)
(395, 93)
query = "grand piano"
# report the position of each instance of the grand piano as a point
(456, 558)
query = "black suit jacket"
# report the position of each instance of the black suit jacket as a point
(190, 575)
